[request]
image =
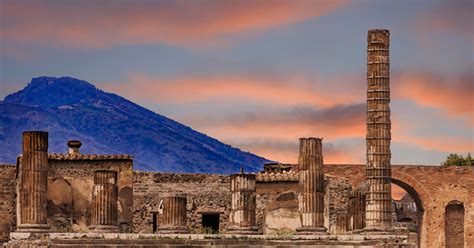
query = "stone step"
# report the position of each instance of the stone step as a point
(109, 243)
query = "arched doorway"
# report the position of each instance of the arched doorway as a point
(408, 207)
(454, 224)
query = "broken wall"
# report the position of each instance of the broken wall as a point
(205, 193)
(7, 200)
(70, 185)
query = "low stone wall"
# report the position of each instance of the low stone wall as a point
(207, 240)
(7, 200)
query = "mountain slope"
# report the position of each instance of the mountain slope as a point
(69, 108)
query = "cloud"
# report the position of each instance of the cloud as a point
(287, 151)
(285, 124)
(272, 89)
(275, 134)
(287, 108)
(98, 24)
(453, 96)
(446, 144)
(448, 17)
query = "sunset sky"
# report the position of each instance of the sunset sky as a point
(260, 74)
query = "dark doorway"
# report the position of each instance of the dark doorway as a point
(211, 222)
(155, 224)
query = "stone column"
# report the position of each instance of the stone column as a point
(311, 184)
(378, 171)
(173, 217)
(104, 202)
(34, 183)
(357, 210)
(243, 205)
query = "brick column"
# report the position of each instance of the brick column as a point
(243, 205)
(34, 183)
(104, 202)
(378, 172)
(173, 217)
(311, 184)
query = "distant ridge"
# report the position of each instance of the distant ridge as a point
(70, 108)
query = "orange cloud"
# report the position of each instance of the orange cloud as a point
(453, 96)
(97, 24)
(441, 143)
(287, 151)
(266, 89)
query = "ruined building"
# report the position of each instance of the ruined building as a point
(74, 199)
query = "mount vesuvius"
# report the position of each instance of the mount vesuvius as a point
(69, 108)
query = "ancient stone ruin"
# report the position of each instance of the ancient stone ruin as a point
(85, 200)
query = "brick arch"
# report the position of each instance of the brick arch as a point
(407, 181)
(410, 184)
(415, 189)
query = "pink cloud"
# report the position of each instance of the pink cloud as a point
(442, 143)
(453, 96)
(97, 24)
(256, 88)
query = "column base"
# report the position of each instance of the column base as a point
(356, 231)
(378, 230)
(252, 230)
(104, 228)
(309, 230)
(172, 229)
(30, 228)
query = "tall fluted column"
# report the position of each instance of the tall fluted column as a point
(311, 183)
(34, 182)
(173, 215)
(104, 202)
(378, 171)
(243, 205)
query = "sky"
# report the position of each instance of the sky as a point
(260, 74)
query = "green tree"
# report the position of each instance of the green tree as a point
(459, 160)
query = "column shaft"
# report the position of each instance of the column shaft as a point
(311, 184)
(243, 205)
(104, 202)
(173, 219)
(378, 170)
(34, 182)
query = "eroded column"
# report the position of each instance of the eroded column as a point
(104, 202)
(243, 205)
(173, 215)
(34, 182)
(357, 210)
(378, 171)
(311, 184)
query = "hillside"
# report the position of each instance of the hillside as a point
(69, 108)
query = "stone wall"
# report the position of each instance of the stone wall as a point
(337, 194)
(70, 185)
(277, 201)
(205, 193)
(7, 200)
(277, 206)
